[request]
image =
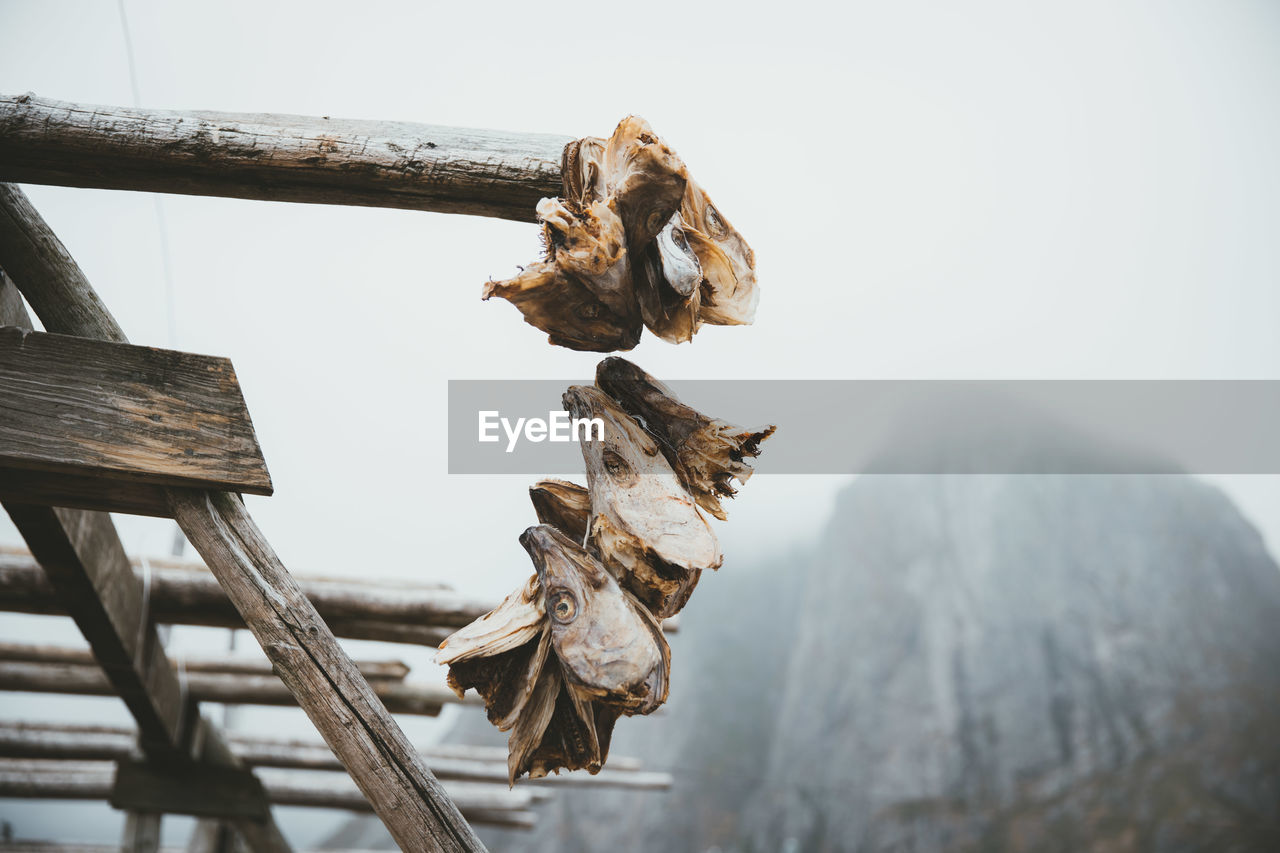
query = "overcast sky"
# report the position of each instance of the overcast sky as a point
(933, 190)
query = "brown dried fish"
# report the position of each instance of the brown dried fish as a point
(618, 195)
(565, 506)
(647, 528)
(706, 453)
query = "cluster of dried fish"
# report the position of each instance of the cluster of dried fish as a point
(580, 643)
(634, 242)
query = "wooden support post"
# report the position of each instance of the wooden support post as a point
(141, 832)
(402, 791)
(278, 158)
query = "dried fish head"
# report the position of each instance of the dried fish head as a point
(609, 647)
(707, 454)
(517, 620)
(649, 532)
(729, 266)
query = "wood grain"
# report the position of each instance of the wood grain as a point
(125, 413)
(278, 157)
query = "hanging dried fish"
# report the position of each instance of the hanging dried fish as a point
(610, 648)
(706, 453)
(729, 294)
(565, 506)
(632, 242)
(647, 528)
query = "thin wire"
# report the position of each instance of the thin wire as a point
(166, 263)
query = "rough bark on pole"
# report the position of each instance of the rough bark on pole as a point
(360, 731)
(278, 157)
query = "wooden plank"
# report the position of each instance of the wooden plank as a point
(82, 491)
(187, 794)
(402, 791)
(223, 792)
(124, 413)
(373, 670)
(279, 157)
(69, 679)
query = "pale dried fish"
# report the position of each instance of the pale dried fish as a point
(570, 314)
(517, 620)
(706, 453)
(647, 528)
(609, 647)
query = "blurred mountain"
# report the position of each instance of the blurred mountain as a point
(967, 662)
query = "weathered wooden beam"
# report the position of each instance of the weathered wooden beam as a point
(223, 797)
(397, 696)
(279, 157)
(373, 670)
(187, 594)
(125, 414)
(87, 743)
(402, 791)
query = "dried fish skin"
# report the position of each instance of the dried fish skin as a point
(730, 295)
(609, 647)
(668, 285)
(645, 181)
(707, 454)
(564, 308)
(647, 528)
(563, 505)
(518, 619)
(531, 725)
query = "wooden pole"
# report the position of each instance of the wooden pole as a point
(131, 783)
(403, 792)
(278, 158)
(398, 696)
(89, 743)
(187, 594)
(372, 670)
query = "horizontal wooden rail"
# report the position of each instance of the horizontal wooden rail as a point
(187, 594)
(96, 780)
(399, 697)
(278, 157)
(90, 743)
(372, 670)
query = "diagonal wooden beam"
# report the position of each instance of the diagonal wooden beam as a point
(406, 796)
(278, 158)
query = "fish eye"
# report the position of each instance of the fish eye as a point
(715, 224)
(616, 465)
(564, 607)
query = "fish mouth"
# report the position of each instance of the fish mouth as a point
(583, 401)
(559, 560)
